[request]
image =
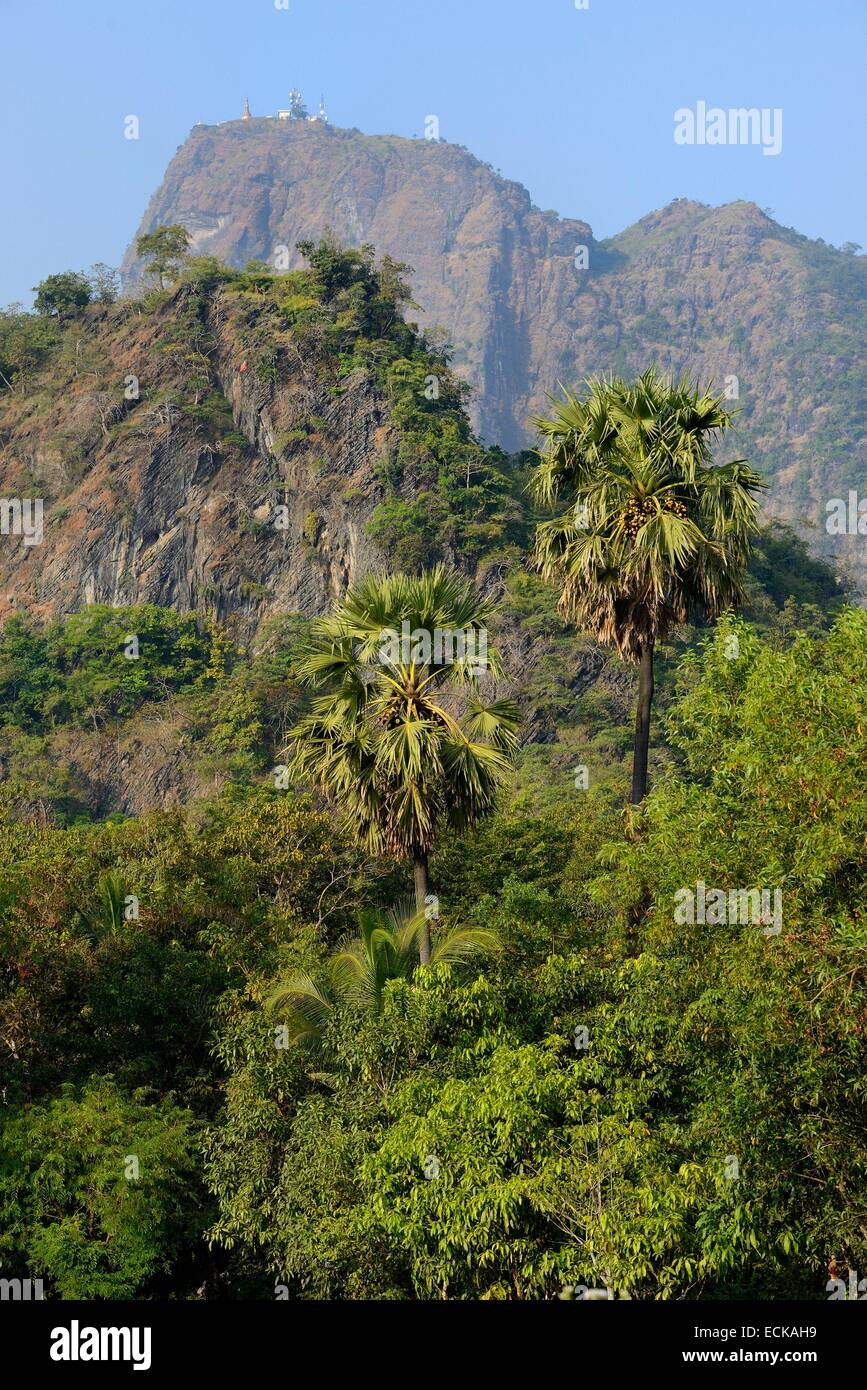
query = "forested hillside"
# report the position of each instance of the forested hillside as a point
(605, 1099)
(212, 485)
(605, 1046)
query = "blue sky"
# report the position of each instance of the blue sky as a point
(576, 104)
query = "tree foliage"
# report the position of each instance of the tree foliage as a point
(62, 294)
(165, 251)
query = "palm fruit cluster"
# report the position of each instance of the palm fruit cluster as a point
(641, 510)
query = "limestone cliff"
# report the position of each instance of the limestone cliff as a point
(223, 492)
(722, 292)
(490, 268)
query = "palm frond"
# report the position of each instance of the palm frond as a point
(654, 530)
(462, 942)
(303, 1007)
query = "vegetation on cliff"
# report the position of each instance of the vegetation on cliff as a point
(211, 1084)
(531, 299)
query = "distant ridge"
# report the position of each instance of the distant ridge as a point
(725, 292)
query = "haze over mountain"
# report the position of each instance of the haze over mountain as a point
(723, 292)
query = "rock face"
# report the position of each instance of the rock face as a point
(723, 292)
(489, 268)
(146, 501)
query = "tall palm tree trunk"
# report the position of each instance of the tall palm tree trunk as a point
(419, 863)
(642, 723)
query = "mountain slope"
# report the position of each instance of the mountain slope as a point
(170, 500)
(489, 268)
(165, 438)
(242, 445)
(723, 292)
(727, 293)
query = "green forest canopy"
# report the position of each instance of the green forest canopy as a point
(613, 1097)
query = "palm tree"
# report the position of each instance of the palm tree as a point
(655, 532)
(388, 948)
(109, 916)
(401, 738)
